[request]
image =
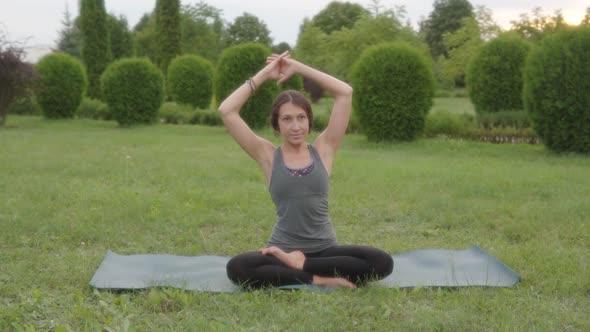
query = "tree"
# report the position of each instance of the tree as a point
(202, 30)
(248, 29)
(335, 53)
(461, 45)
(464, 43)
(398, 11)
(15, 75)
(446, 17)
(70, 36)
(338, 15)
(488, 28)
(96, 49)
(536, 27)
(309, 45)
(121, 39)
(281, 47)
(586, 19)
(168, 32)
(144, 37)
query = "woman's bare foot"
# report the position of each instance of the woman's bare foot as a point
(294, 259)
(332, 282)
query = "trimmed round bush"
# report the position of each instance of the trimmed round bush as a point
(93, 109)
(190, 81)
(134, 90)
(62, 84)
(393, 91)
(494, 76)
(237, 64)
(557, 89)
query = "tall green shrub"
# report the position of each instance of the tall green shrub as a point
(62, 84)
(557, 90)
(494, 76)
(393, 91)
(236, 64)
(96, 45)
(167, 32)
(190, 81)
(133, 89)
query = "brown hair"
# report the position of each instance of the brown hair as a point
(293, 97)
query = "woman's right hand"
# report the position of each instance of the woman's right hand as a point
(287, 66)
(272, 71)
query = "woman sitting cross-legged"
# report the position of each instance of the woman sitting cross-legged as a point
(302, 248)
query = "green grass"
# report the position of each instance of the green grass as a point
(71, 190)
(453, 105)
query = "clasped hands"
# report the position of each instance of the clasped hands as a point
(280, 67)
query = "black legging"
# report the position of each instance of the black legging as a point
(358, 264)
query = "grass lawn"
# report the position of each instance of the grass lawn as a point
(71, 190)
(453, 105)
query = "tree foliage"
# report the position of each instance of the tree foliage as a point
(144, 38)
(70, 36)
(62, 83)
(96, 50)
(586, 19)
(338, 15)
(15, 75)
(248, 29)
(394, 88)
(534, 27)
(202, 30)
(168, 32)
(281, 47)
(556, 90)
(121, 38)
(336, 53)
(446, 17)
(463, 44)
(310, 43)
(134, 90)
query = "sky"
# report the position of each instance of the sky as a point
(38, 22)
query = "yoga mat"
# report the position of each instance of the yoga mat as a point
(420, 268)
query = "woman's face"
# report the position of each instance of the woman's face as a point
(293, 123)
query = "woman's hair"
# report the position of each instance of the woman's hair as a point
(290, 97)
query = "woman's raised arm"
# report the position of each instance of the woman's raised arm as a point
(255, 146)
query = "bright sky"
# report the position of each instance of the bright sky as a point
(39, 21)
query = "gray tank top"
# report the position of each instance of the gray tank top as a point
(302, 207)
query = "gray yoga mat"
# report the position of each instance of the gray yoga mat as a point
(419, 268)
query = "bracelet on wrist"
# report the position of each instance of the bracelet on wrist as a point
(251, 84)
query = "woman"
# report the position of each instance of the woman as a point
(302, 248)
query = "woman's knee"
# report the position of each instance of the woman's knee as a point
(233, 269)
(237, 268)
(382, 264)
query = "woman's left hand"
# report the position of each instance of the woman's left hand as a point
(272, 71)
(286, 66)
